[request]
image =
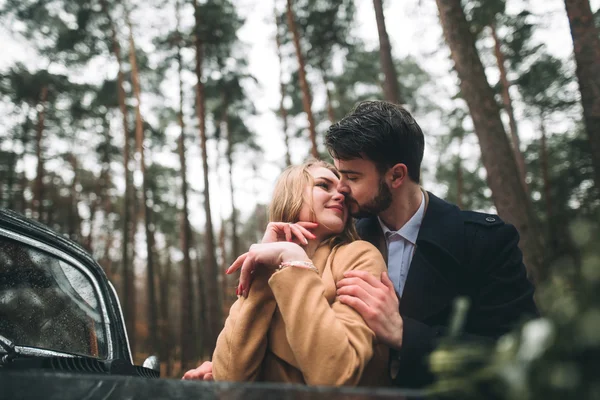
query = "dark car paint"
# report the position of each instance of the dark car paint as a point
(64, 386)
(14, 222)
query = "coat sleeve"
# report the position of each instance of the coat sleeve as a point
(501, 297)
(332, 344)
(242, 343)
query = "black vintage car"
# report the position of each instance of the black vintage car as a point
(57, 309)
(62, 334)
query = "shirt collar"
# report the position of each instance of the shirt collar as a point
(410, 230)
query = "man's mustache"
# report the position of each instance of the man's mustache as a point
(349, 200)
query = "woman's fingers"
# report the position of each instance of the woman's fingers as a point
(236, 264)
(299, 234)
(287, 231)
(203, 372)
(302, 233)
(246, 276)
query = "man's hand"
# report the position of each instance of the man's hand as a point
(376, 301)
(202, 373)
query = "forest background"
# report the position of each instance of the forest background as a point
(152, 132)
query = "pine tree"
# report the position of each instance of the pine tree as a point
(502, 173)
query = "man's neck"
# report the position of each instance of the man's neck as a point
(405, 204)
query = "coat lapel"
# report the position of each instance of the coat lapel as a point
(426, 291)
(431, 282)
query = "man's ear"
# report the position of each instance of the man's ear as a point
(398, 173)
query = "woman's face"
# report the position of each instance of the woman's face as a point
(328, 205)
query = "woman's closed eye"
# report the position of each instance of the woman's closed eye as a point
(324, 185)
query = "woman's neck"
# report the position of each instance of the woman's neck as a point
(313, 245)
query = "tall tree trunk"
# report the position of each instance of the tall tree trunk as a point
(146, 211)
(165, 331)
(235, 236)
(104, 202)
(330, 110)
(306, 97)
(509, 196)
(88, 242)
(17, 188)
(211, 300)
(129, 294)
(74, 222)
(506, 100)
(235, 239)
(459, 176)
(586, 46)
(220, 238)
(187, 320)
(391, 90)
(545, 171)
(22, 197)
(282, 91)
(106, 260)
(38, 204)
(10, 182)
(202, 322)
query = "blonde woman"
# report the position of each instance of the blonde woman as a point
(288, 325)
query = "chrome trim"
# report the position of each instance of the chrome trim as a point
(32, 351)
(64, 256)
(122, 319)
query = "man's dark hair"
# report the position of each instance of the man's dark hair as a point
(383, 132)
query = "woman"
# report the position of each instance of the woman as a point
(287, 325)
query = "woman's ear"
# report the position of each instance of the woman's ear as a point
(399, 173)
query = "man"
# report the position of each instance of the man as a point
(434, 251)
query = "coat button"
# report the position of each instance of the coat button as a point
(490, 219)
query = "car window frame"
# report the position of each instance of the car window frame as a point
(73, 262)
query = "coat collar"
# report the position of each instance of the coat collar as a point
(441, 226)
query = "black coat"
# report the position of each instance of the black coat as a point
(458, 253)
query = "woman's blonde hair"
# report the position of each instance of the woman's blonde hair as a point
(289, 197)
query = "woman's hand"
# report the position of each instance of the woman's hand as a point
(287, 232)
(202, 373)
(265, 255)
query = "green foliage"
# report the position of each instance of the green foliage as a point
(483, 13)
(452, 169)
(163, 185)
(545, 85)
(554, 357)
(10, 179)
(218, 26)
(62, 31)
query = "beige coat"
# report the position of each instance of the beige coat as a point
(291, 328)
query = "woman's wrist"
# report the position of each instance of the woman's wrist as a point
(293, 252)
(298, 264)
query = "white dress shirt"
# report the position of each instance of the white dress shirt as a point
(401, 245)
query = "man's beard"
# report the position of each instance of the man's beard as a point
(381, 201)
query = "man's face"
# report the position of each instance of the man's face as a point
(365, 188)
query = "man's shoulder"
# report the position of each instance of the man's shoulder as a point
(481, 219)
(366, 226)
(468, 217)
